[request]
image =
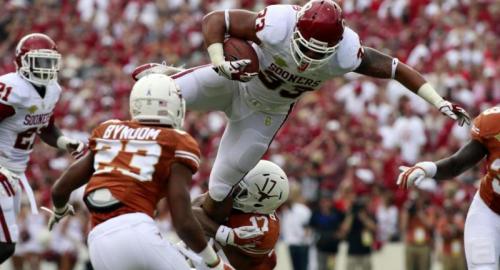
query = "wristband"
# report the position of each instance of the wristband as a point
(216, 53)
(395, 63)
(429, 167)
(62, 142)
(209, 256)
(427, 92)
(227, 20)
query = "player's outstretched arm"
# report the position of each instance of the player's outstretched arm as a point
(185, 224)
(52, 136)
(464, 159)
(380, 65)
(74, 177)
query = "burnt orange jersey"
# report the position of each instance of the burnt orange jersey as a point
(133, 161)
(486, 129)
(268, 224)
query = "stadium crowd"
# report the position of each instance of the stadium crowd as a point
(342, 146)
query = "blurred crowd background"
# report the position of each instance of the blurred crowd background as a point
(341, 148)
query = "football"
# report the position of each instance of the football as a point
(237, 49)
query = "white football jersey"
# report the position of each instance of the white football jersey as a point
(32, 113)
(279, 83)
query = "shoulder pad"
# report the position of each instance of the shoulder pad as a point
(275, 23)
(348, 53)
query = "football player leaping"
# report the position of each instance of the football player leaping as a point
(482, 226)
(255, 200)
(131, 165)
(299, 48)
(27, 100)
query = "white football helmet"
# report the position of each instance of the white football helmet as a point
(156, 99)
(37, 59)
(262, 190)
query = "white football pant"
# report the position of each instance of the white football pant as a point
(482, 236)
(132, 242)
(10, 205)
(248, 133)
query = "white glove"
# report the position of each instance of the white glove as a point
(454, 112)
(75, 147)
(233, 70)
(410, 176)
(58, 213)
(154, 68)
(245, 236)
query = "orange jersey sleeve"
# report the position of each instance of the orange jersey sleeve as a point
(486, 126)
(187, 151)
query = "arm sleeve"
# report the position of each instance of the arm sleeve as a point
(187, 152)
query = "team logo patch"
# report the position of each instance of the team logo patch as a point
(280, 61)
(32, 109)
(268, 121)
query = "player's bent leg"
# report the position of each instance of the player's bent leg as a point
(481, 236)
(245, 140)
(6, 251)
(204, 90)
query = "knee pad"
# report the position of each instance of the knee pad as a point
(481, 253)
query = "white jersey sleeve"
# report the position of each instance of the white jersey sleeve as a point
(274, 24)
(349, 52)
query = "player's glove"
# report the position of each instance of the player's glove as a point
(233, 70)
(154, 68)
(245, 236)
(410, 176)
(58, 213)
(75, 147)
(454, 112)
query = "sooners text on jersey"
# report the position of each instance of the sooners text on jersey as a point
(486, 129)
(133, 161)
(32, 113)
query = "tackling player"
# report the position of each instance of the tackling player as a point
(27, 101)
(131, 165)
(299, 49)
(258, 195)
(482, 226)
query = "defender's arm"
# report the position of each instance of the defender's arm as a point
(379, 65)
(74, 177)
(462, 160)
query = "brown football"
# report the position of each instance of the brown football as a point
(237, 49)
